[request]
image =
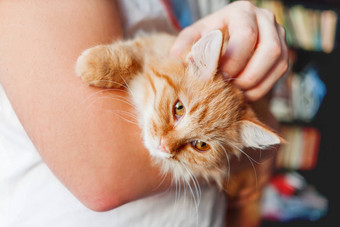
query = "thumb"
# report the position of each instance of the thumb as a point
(184, 41)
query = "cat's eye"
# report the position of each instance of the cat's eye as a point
(179, 109)
(200, 145)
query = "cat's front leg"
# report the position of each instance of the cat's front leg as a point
(244, 190)
(108, 66)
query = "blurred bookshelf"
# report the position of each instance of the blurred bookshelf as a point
(309, 25)
(305, 101)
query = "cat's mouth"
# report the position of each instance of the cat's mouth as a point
(157, 148)
(161, 152)
(164, 155)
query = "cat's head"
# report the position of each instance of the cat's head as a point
(193, 120)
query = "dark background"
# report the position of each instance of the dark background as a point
(325, 176)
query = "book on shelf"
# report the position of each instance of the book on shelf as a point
(328, 29)
(309, 29)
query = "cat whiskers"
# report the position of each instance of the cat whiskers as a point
(251, 160)
(178, 184)
(232, 79)
(127, 87)
(99, 94)
(122, 99)
(196, 196)
(120, 113)
(163, 177)
(228, 160)
(120, 85)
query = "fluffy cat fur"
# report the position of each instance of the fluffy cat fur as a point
(213, 110)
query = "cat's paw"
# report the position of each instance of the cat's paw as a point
(109, 66)
(92, 66)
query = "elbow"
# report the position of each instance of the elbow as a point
(103, 201)
(100, 205)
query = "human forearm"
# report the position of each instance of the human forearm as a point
(97, 155)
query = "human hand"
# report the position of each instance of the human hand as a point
(256, 55)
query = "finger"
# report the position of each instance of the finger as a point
(184, 41)
(274, 74)
(267, 52)
(243, 33)
(189, 35)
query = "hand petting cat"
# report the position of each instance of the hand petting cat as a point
(256, 55)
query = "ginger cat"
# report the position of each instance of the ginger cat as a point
(193, 121)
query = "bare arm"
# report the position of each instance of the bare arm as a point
(97, 155)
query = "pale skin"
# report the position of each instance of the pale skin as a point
(98, 156)
(257, 54)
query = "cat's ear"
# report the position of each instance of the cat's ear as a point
(255, 135)
(205, 54)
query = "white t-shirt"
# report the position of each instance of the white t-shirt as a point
(31, 196)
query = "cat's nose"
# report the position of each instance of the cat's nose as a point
(163, 147)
